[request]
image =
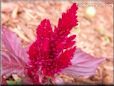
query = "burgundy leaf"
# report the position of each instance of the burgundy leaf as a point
(83, 64)
(11, 65)
(14, 58)
(13, 44)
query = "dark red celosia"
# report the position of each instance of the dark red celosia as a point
(53, 50)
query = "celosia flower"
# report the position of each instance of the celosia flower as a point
(53, 50)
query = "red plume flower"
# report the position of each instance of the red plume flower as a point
(53, 50)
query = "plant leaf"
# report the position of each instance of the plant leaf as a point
(83, 64)
(13, 44)
(14, 59)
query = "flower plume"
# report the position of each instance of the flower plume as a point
(52, 50)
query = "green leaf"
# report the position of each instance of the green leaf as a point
(11, 82)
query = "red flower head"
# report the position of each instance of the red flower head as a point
(53, 50)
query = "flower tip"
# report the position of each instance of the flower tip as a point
(45, 20)
(44, 23)
(74, 6)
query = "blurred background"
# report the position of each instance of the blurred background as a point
(94, 31)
